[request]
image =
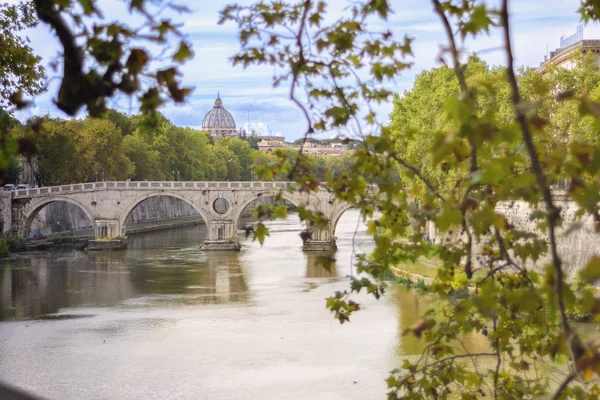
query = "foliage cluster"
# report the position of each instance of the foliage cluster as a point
(20, 68)
(11, 245)
(101, 59)
(4, 249)
(15, 244)
(417, 123)
(466, 139)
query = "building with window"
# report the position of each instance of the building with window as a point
(569, 47)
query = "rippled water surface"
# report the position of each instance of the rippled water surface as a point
(163, 320)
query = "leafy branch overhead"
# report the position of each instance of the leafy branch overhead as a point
(327, 60)
(466, 144)
(102, 59)
(20, 71)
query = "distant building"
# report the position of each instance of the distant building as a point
(219, 122)
(273, 138)
(270, 145)
(324, 151)
(334, 149)
(569, 46)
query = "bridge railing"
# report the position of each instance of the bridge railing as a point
(145, 185)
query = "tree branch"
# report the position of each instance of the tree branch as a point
(418, 173)
(553, 212)
(458, 68)
(564, 385)
(453, 358)
(72, 54)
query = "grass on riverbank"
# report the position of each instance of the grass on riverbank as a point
(420, 275)
(424, 266)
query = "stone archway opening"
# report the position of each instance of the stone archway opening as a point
(290, 226)
(161, 212)
(58, 218)
(348, 227)
(247, 213)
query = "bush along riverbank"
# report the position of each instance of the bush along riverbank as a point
(422, 283)
(11, 244)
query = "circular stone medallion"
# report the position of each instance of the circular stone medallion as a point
(221, 205)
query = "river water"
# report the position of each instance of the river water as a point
(163, 320)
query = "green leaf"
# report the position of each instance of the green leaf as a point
(260, 233)
(183, 53)
(591, 272)
(88, 6)
(448, 218)
(137, 60)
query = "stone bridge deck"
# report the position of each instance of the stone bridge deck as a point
(146, 185)
(220, 204)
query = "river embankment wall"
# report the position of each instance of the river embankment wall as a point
(578, 240)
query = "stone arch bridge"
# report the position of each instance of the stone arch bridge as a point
(220, 204)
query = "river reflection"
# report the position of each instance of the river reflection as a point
(162, 267)
(316, 269)
(35, 287)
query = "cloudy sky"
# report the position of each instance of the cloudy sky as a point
(248, 95)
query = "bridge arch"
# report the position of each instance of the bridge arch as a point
(243, 203)
(337, 214)
(32, 209)
(138, 200)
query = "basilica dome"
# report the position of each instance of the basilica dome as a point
(219, 122)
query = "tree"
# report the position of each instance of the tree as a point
(243, 154)
(121, 121)
(146, 160)
(417, 123)
(21, 73)
(493, 153)
(584, 77)
(102, 59)
(227, 165)
(57, 152)
(75, 151)
(337, 165)
(253, 141)
(99, 142)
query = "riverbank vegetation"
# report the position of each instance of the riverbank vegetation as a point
(11, 244)
(416, 121)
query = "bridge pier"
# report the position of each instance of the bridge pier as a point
(221, 236)
(320, 240)
(107, 228)
(107, 236)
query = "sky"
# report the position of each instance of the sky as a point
(248, 94)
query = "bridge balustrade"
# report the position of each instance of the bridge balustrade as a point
(147, 185)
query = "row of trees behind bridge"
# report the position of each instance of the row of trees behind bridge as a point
(121, 147)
